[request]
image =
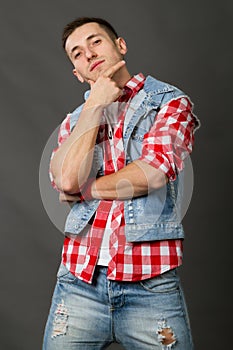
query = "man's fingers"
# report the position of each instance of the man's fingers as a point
(91, 82)
(63, 197)
(109, 72)
(112, 70)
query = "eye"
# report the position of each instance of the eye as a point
(77, 55)
(96, 42)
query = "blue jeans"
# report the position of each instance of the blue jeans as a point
(145, 315)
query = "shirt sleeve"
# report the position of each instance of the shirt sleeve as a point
(171, 138)
(63, 134)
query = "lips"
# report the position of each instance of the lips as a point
(95, 64)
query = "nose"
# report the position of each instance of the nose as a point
(90, 54)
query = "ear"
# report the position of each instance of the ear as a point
(78, 76)
(122, 46)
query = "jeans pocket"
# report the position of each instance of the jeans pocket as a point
(64, 275)
(164, 283)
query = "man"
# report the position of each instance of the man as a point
(120, 161)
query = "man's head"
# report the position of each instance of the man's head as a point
(70, 27)
(93, 46)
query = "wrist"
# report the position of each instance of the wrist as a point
(93, 105)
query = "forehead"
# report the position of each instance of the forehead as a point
(81, 34)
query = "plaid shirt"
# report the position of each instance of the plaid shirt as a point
(165, 146)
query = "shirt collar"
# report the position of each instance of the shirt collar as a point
(132, 87)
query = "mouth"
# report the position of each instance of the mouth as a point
(95, 64)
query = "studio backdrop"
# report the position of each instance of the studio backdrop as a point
(188, 44)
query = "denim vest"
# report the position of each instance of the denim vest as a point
(155, 216)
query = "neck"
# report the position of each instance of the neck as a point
(122, 77)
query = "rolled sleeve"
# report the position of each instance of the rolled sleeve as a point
(63, 134)
(171, 138)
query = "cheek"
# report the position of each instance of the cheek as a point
(80, 68)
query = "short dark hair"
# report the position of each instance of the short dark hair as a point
(78, 22)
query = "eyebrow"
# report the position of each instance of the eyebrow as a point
(87, 39)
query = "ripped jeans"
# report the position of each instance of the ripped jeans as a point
(145, 315)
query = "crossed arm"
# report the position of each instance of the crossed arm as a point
(134, 180)
(75, 156)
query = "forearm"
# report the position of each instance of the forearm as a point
(134, 180)
(72, 162)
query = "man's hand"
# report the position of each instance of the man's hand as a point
(105, 90)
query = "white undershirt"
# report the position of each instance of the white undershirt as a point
(104, 254)
(111, 114)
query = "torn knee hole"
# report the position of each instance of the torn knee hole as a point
(60, 320)
(167, 336)
(165, 333)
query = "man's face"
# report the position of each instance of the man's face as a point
(92, 51)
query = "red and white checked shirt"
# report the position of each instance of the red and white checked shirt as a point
(165, 146)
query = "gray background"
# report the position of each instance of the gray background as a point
(185, 43)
